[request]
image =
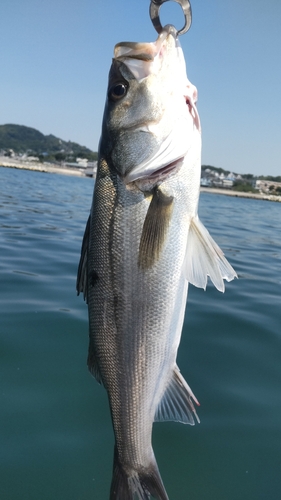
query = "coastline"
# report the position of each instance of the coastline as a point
(50, 168)
(241, 194)
(56, 169)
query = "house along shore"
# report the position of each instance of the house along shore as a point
(82, 172)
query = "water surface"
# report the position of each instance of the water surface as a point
(56, 435)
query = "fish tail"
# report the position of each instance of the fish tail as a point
(136, 485)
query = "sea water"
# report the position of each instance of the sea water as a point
(56, 439)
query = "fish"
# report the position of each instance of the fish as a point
(143, 245)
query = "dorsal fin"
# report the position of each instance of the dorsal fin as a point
(81, 282)
(93, 365)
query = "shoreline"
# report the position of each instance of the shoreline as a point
(241, 194)
(56, 169)
(49, 168)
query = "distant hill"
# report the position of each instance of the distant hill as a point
(22, 139)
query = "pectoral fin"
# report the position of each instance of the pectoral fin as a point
(204, 258)
(155, 228)
(176, 404)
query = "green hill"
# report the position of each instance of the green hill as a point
(29, 140)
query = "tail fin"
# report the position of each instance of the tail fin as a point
(138, 485)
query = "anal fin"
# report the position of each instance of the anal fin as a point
(176, 404)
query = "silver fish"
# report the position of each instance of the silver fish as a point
(143, 243)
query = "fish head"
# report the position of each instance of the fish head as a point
(150, 111)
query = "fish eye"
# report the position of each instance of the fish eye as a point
(117, 91)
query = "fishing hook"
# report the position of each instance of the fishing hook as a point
(154, 14)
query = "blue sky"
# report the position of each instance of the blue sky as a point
(55, 56)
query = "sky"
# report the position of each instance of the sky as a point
(55, 56)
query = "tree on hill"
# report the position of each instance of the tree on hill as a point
(270, 178)
(22, 139)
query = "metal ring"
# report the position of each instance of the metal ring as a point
(154, 14)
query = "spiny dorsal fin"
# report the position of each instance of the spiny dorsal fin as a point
(176, 404)
(204, 258)
(81, 282)
(155, 228)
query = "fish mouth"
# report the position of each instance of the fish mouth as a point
(144, 59)
(144, 51)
